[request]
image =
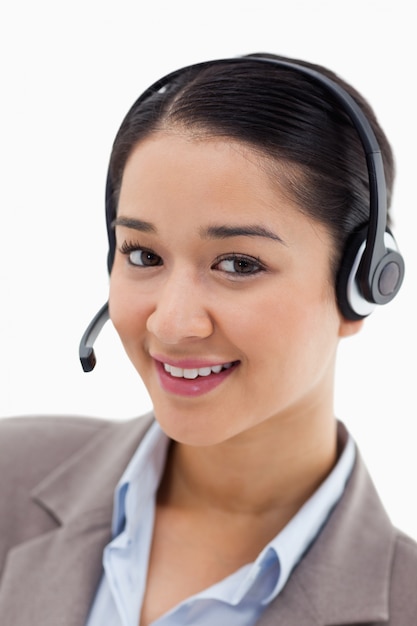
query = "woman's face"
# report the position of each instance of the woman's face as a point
(221, 291)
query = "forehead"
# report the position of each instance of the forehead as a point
(178, 172)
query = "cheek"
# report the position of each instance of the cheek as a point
(128, 312)
(295, 330)
(312, 332)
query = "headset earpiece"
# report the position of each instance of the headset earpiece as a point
(352, 283)
(388, 275)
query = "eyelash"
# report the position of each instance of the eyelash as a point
(128, 247)
(254, 263)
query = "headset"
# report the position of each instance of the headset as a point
(372, 269)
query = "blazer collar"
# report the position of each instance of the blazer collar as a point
(344, 577)
(51, 579)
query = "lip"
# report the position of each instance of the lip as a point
(191, 387)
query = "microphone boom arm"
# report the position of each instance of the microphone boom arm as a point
(86, 350)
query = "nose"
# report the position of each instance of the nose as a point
(180, 312)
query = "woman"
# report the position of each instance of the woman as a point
(247, 237)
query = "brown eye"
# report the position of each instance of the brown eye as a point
(144, 258)
(140, 257)
(239, 265)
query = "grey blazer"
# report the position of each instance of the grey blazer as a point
(57, 477)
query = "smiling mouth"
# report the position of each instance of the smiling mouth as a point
(192, 373)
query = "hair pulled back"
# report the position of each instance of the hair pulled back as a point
(284, 115)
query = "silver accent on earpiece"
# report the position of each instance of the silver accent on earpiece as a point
(355, 298)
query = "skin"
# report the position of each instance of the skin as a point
(251, 451)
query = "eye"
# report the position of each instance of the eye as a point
(140, 257)
(240, 265)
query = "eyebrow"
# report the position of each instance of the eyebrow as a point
(130, 222)
(249, 230)
(211, 232)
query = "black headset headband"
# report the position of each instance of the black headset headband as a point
(378, 271)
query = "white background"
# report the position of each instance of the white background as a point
(70, 71)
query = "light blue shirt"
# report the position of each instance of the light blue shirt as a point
(237, 600)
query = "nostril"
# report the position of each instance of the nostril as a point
(173, 324)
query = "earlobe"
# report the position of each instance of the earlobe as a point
(348, 328)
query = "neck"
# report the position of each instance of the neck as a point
(271, 469)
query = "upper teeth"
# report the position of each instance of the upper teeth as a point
(179, 372)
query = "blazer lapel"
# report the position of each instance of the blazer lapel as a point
(51, 579)
(344, 577)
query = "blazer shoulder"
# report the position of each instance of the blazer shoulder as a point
(405, 555)
(403, 588)
(31, 446)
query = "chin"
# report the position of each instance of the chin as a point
(191, 427)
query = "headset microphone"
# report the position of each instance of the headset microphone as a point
(86, 350)
(372, 269)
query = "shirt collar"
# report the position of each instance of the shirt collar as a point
(142, 474)
(294, 539)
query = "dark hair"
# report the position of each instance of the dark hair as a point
(280, 112)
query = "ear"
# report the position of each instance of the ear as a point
(349, 327)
